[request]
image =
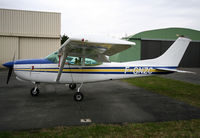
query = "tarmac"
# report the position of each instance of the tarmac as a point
(108, 102)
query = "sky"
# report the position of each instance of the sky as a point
(116, 18)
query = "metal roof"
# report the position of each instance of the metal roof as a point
(167, 34)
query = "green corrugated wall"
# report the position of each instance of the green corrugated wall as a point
(134, 53)
(131, 54)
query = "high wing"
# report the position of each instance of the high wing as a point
(94, 47)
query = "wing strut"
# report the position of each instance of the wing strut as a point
(63, 58)
(63, 52)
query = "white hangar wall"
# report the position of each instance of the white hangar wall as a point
(43, 47)
(28, 34)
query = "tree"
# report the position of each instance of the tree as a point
(64, 38)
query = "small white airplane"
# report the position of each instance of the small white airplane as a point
(85, 59)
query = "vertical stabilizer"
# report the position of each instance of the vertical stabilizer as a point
(174, 54)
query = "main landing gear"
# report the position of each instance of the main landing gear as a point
(78, 96)
(72, 86)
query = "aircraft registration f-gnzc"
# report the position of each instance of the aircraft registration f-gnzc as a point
(85, 59)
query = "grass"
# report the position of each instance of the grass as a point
(188, 128)
(183, 91)
(186, 92)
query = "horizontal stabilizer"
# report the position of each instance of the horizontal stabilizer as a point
(175, 70)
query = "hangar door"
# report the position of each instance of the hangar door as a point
(9, 46)
(154, 48)
(37, 47)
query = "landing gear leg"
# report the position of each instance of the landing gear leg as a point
(78, 96)
(35, 90)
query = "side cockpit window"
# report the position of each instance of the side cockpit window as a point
(81, 61)
(73, 60)
(91, 62)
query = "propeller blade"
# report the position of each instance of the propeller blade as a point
(9, 74)
(13, 57)
(10, 65)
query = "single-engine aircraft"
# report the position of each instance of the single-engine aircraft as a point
(86, 59)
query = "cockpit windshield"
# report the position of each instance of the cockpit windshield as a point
(72, 60)
(53, 57)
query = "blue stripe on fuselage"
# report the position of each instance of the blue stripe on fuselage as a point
(33, 61)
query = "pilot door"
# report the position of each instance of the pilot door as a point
(76, 70)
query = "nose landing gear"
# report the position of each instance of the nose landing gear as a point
(35, 90)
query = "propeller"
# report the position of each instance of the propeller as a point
(9, 74)
(10, 66)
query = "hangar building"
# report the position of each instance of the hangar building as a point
(28, 34)
(151, 44)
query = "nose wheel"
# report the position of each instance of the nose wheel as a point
(35, 90)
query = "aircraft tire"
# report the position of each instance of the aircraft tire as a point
(36, 93)
(72, 86)
(78, 96)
